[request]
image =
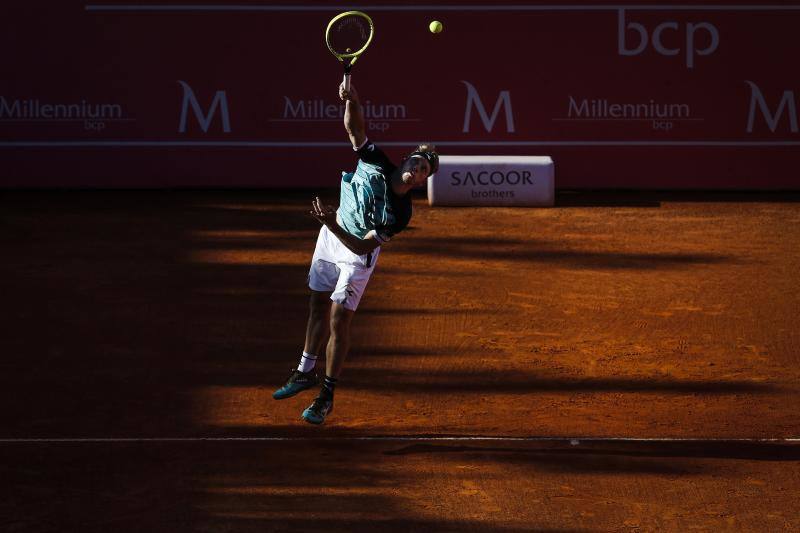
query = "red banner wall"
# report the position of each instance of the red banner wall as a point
(213, 95)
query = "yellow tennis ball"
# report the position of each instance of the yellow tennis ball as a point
(435, 26)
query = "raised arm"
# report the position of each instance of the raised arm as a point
(353, 117)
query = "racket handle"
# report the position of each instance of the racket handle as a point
(346, 81)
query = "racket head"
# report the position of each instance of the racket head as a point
(348, 34)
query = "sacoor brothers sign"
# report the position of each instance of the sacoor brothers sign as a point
(493, 181)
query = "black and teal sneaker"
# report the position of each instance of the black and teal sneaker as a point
(317, 411)
(297, 382)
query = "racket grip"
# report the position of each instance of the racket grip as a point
(346, 81)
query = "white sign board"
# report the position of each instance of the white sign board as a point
(493, 180)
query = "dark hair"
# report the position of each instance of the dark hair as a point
(427, 151)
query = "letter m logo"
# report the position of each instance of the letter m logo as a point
(474, 100)
(757, 99)
(220, 100)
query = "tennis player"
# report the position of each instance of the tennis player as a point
(374, 206)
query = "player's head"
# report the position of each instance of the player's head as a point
(419, 164)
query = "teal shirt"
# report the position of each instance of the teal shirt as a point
(366, 200)
(362, 200)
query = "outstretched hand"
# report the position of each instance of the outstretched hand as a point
(352, 94)
(325, 214)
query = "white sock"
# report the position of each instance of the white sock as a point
(307, 362)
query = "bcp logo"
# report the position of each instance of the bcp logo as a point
(669, 38)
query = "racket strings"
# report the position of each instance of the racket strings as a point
(349, 35)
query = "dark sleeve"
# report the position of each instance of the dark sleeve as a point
(370, 153)
(402, 213)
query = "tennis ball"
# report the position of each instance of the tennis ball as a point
(435, 26)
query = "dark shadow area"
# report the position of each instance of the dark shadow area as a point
(292, 219)
(326, 525)
(533, 252)
(631, 198)
(706, 449)
(114, 319)
(375, 311)
(223, 242)
(407, 273)
(214, 486)
(449, 381)
(405, 351)
(568, 463)
(605, 199)
(260, 366)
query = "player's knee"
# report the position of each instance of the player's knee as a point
(319, 305)
(339, 327)
(340, 320)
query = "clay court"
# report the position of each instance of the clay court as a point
(619, 362)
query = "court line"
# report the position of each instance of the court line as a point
(395, 438)
(551, 7)
(290, 144)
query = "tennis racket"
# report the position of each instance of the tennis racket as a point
(348, 34)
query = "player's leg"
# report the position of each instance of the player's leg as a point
(339, 342)
(317, 330)
(352, 283)
(322, 279)
(338, 346)
(304, 376)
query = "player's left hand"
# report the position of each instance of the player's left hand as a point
(325, 214)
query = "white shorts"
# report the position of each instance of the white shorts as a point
(337, 270)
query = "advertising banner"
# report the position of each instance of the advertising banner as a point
(638, 96)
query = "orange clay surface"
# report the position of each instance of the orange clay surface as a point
(175, 315)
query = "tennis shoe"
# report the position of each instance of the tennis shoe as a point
(297, 382)
(317, 411)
